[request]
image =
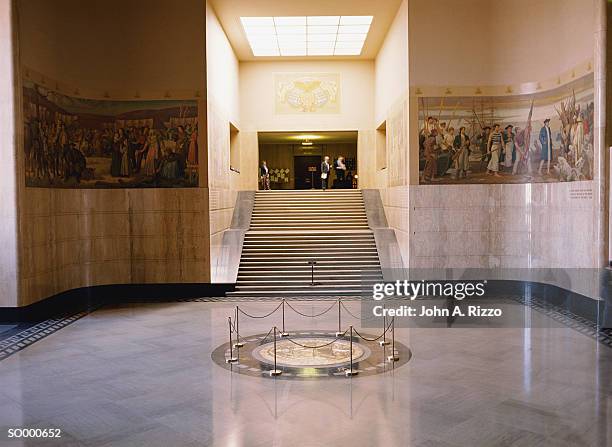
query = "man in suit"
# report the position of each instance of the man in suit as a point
(264, 175)
(325, 169)
(546, 143)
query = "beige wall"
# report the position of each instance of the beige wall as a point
(75, 238)
(222, 81)
(8, 203)
(393, 108)
(480, 42)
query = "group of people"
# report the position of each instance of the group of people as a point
(57, 151)
(151, 152)
(339, 167)
(507, 149)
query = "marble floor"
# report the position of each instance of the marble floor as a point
(142, 375)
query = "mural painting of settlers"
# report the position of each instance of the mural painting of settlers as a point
(543, 137)
(83, 143)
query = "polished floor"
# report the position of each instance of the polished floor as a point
(142, 375)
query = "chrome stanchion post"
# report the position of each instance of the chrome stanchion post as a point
(283, 333)
(384, 341)
(275, 371)
(350, 372)
(238, 343)
(339, 333)
(393, 357)
(231, 358)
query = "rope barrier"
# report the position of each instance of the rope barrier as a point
(320, 346)
(373, 339)
(310, 316)
(267, 335)
(355, 316)
(260, 316)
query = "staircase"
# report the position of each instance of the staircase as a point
(290, 228)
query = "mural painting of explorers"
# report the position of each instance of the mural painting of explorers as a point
(543, 137)
(72, 142)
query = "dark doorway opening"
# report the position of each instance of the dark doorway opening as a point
(294, 158)
(307, 170)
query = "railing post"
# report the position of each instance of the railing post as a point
(231, 358)
(384, 341)
(350, 372)
(275, 371)
(283, 333)
(238, 343)
(339, 332)
(393, 357)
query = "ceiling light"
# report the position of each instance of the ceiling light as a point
(324, 37)
(353, 29)
(257, 21)
(349, 44)
(306, 35)
(293, 52)
(355, 20)
(306, 143)
(323, 20)
(290, 21)
(350, 37)
(320, 52)
(280, 30)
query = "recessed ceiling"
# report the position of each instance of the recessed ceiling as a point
(292, 14)
(306, 35)
(327, 137)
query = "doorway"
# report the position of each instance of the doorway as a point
(294, 158)
(307, 170)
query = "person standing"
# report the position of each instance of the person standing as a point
(325, 173)
(431, 162)
(546, 143)
(509, 152)
(494, 146)
(340, 170)
(264, 175)
(462, 154)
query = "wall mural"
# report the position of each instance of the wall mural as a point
(72, 142)
(307, 93)
(543, 137)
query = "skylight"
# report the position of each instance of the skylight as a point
(306, 35)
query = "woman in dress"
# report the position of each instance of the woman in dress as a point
(495, 146)
(151, 151)
(192, 157)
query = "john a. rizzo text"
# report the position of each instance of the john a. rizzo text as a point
(436, 311)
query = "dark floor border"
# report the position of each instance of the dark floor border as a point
(85, 299)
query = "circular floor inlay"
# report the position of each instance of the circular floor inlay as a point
(310, 352)
(310, 355)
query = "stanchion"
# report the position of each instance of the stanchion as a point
(384, 341)
(393, 357)
(283, 332)
(275, 371)
(231, 358)
(238, 343)
(350, 372)
(339, 333)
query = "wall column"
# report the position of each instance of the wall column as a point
(601, 157)
(8, 163)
